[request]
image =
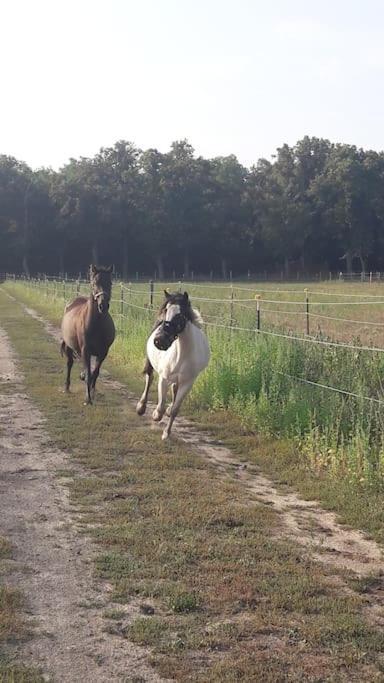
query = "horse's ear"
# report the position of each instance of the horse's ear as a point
(109, 269)
(92, 269)
(167, 294)
(185, 296)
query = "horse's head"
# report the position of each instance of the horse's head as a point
(101, 284)
(174, 315)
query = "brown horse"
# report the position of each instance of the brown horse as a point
(88, 330)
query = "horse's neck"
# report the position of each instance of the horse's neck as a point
(92, 311)
(187, 336)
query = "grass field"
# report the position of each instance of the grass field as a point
(231, 601)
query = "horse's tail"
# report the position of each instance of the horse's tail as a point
(63, 347)
(148, 369)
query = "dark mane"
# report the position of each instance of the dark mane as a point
(179, 300)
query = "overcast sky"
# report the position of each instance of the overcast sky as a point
(239, 76)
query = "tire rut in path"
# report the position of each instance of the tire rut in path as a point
(52, 562)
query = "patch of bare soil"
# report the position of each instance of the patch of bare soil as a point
(303, 521)
(52, 561)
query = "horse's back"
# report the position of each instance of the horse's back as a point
(79, 301)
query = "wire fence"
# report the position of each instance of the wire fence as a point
(142, 301)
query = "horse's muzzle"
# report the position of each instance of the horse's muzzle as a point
(162, 343)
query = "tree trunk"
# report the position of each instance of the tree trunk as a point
(61, 261)
(224, 271)
(95, 253)
(125, 255)
(286, 267)
(26, 233)
(25, 264)
(362, 263)
(160, 267)
(186, 265)
(349, 261)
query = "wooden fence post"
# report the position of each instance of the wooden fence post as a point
(258, 297)
(151, 290)
(121, 300)
(307, 310)
(231, 308)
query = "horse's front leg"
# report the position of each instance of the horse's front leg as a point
(161, 399)
(182, 391)
(86, 358)
(142, 403)
(174, 393)
(95, 374)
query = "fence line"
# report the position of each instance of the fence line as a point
(291, 337)
(330, 388)
(257, 331)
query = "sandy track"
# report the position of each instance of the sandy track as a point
(52, 562)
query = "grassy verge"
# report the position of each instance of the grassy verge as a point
(227, 601)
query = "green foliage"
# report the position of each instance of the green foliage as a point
(146, 211)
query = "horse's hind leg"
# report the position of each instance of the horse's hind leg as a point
(182, 391)
(68, 353)
(142, 403)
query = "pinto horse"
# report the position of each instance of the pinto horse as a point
(178, 350)
(88, 330)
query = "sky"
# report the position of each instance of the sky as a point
(240, 77)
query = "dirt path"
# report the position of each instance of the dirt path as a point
(52, 562)
(303, 521)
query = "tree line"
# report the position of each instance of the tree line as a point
(315, 206)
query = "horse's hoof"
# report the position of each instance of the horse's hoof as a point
(88, 402)
(168, 411)
(165, 435)
(156, 415)
(141, 408)
(82, 376)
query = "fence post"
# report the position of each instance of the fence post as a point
(151, 289)
(64, 290)
(231, 308)
(307, 309)
(180, 286)
(78, 288)
(258, 297)
(121, 300)
(370, 278)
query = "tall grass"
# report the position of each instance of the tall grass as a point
(250, 375)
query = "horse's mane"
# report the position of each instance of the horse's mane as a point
(192, 314)
(197, 318)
